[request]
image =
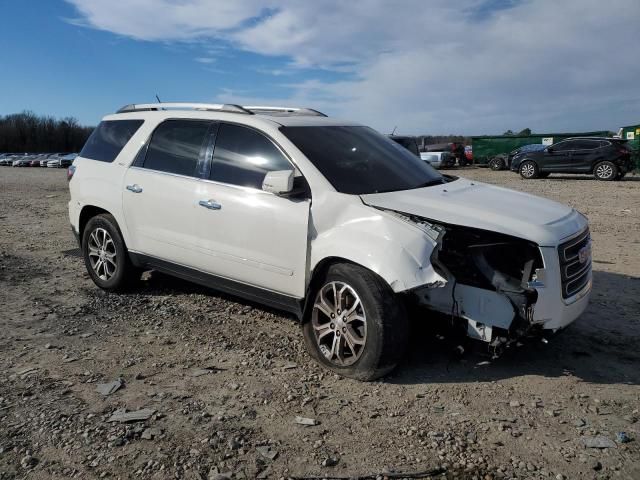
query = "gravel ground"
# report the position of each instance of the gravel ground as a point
(218, 382)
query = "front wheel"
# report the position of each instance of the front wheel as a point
(605, 171)
(528, 170)
(105, 254)
(356, 327)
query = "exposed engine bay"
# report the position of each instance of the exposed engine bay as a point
(490, 279)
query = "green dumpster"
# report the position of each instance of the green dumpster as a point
(487, 147)
(632, 135)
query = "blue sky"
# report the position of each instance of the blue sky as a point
(478, 67)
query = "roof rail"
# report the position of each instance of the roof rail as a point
(147, 107)
(285, 110)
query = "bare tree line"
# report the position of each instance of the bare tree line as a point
(28, 132)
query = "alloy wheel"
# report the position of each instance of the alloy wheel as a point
(527, 170)
(339, 323)
(604, 171)
(102, 254)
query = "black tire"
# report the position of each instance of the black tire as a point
(528, 170)
(605, 171)
(124, 274)
(496, 164)
(385, 318)
(620, 175)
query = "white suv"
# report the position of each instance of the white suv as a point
(324, 218)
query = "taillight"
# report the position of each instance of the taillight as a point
(70, 171)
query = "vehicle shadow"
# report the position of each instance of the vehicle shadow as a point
(159, 284)
(600, 347)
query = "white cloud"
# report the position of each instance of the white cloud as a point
(427, 66)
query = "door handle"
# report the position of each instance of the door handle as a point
(135, 188)
(210, 204)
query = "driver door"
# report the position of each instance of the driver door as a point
(244, 233)
(558, 157)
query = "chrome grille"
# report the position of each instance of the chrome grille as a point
(575, 263)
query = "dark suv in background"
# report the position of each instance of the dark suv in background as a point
(604, 158)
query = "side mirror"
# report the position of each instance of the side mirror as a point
(549, 149)
(278, 182)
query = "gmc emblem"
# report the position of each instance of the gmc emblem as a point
(585, 253)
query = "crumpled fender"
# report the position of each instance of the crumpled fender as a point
(396, 250)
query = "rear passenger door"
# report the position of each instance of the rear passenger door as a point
(583, 155)
(159, 191)
(246, 234)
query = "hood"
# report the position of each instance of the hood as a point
(487, 207)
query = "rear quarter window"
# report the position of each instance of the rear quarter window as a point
(109, 138)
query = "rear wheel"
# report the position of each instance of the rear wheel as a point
(528, 170)
(105, 254)
(357, 327)
(605, 171)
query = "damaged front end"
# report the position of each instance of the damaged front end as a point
(491, 280)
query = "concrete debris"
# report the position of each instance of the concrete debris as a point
(109, 388)
(309, 422)
(267, 452)
(597, 442)
(122, 416)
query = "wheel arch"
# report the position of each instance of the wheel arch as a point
(597, 161)
(86, 214)
(316, 274)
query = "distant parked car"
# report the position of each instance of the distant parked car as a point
(23, 161)
(604, 158)
(67, 160)
(407, 142)
(503, 161)
(439, 159)
(6, 159)
(55, 163)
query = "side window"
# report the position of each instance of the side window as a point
(589, 144)
(565, 146)
(584, 145)
(109, 138)
(176, 146)
(243, 156)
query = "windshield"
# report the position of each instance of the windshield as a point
(359, 160)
